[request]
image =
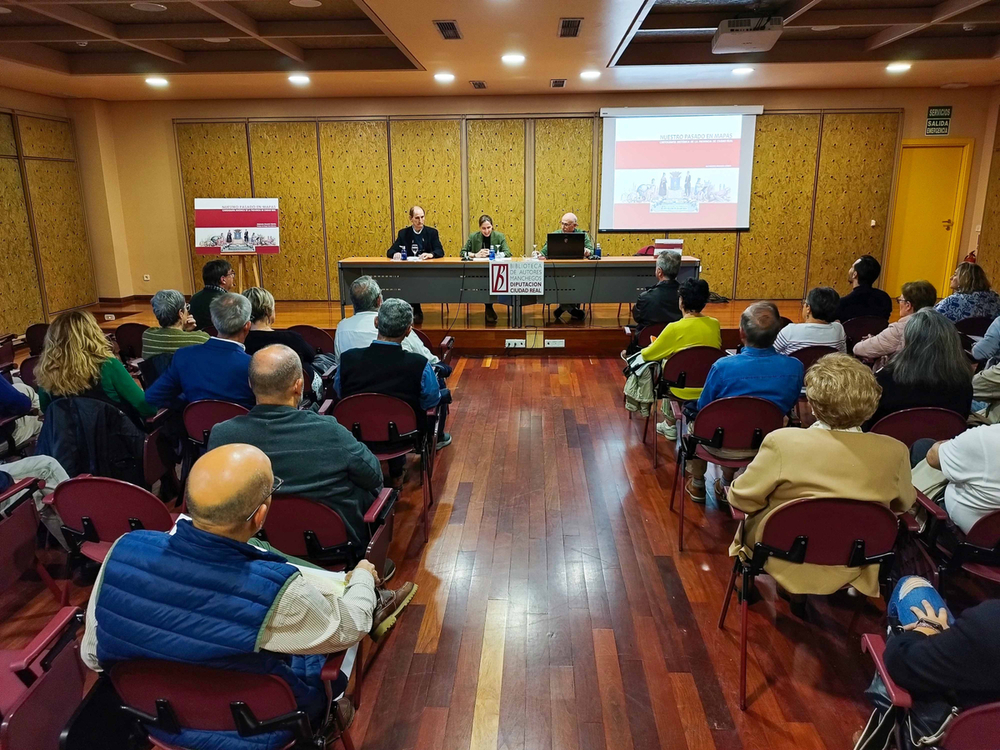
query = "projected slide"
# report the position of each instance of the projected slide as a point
(677, 173)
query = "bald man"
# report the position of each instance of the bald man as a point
(419, 241)
(202, 595)
(568, 225)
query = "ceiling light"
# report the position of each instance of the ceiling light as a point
(742, 71)
(825, 28)
(157, 81)
(955, 85)
(898, 67)
(217, 39)
(299, 79)
(305, 3)
(590, 75)
(81, 44)
(149, 7)
(4, 9)
(513, 58)
(444, 77)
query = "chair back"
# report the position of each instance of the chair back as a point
(157, 457)
(129, 338)
(974, 729)
(376, 418)
(34, 337)
(305, 528)
(18, 535)
(99, 509)
(648, 334)
(831, 531)
(317, 338)
(689, 368)
(985, 532)
(910, 425)
(737, 422)
(27, 371)
(201, 416)
(783, 321)
(809, 355)
(866, 325)
(424, 339)
(976, 326)
(6, 352)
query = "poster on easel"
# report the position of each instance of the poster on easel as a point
(236, 226)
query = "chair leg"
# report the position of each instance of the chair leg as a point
(655, 414)
(645, 429)
(359, 674)
(729, 594)
(61, 594)
(678, 473)
(428, 498)
(744, 614)
(680, 526)
(345, 738)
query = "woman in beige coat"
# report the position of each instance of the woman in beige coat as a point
(834, 459)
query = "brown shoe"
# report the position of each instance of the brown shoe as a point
(390, 604)
(695, 492)
(341, 718)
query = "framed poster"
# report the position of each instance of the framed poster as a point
(236, 226)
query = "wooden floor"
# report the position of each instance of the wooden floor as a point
(554, 609)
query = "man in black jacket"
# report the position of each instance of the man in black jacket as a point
(658, 304)
(219, 278)
(864, 299)
(419, 241)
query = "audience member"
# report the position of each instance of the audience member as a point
(831, 459)
(78, 361)
(988, 347)
(385, 367)
(930, 369)
(177, 326)
(225, 603)
(864, 299)
(758, 371)
(263, 334)
(49, 471)
(20, 400)
(219, 278)
(986, 394)
(819, 327)
(916, 295)
(217, 369)
(971, 295)
(315, 456)
(658, 303)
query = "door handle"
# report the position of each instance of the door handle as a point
(947, 224)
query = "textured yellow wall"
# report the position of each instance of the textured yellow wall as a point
(496, 177)
(286, 166)
(7, 145)
(563, 173)
(717, 252)
(214, 164)
(49, 139)
(356, 191)
(57, 209)
(989, 241)
(427, 171)
(20, 298)
(773, 253)
(857, 159)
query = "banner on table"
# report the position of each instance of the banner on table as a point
(515, 278)
(236, 226)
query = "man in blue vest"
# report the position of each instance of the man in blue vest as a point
(203, 595)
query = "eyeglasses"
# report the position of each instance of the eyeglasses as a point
(278, 481)
(901, 300)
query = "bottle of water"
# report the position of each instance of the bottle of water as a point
(493, 253)
(597, 251)
(402, 252)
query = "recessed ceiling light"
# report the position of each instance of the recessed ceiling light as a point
(81, 44)
(742, 71)
(217, 39)
(825, 28)
(157, 81)
(305, 3)
(898, 67)
(590, 75)
(149, 7)
(4, 9)
(955, 85)
(444, 77)
(513, 58)
(299, 79)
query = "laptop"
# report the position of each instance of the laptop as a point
(566, 245)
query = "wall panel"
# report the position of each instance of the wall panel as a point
(773, 253)
(717, 251)
(49, 139)
(19, 289)
(989, 240)
(427, 171)
(356, 191)
(857, 159)
(563, 173)
(496, 177)
(7, 145)
(214, 164)
(61, 229)
(285, 162)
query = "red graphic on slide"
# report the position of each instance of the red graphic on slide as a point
(499, 278)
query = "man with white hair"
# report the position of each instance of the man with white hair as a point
(177, 326)
(568, 224)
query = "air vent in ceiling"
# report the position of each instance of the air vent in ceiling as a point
(569, 27)
(448, 29)
(558, 83)
(478, 84)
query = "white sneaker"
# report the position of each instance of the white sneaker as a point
(669, 431)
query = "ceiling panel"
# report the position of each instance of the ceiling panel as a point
(280, 10)
(125, 13)
(805, 33)
(341, 42)
(73, 48)
(693, 6)
(20, 16)
(233, 45)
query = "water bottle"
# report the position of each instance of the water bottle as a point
(413, 250)
(493, 253)
(402, 252)
(597, 251)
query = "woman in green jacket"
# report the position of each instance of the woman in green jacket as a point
(478, 246)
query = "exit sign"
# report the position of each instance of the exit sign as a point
(938, 121)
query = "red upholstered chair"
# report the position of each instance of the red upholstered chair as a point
(199, 419)
(974, 326)
(823, 531)
(976, 553)
(171, 696)
(7, 356)
(27, 371)
(809, 355)
(34, 337)
(866, 325)
(389, 427)
(734, 423)
(19, 539)
(910, 425)
(129, 338)
(444, 349)
(95, 511)
(317, 338)
(41, 685)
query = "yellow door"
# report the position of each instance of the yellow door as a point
(926, 225)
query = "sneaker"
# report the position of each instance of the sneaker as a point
(695, 491)
(444, 440)
(669, 431)
(390, 604)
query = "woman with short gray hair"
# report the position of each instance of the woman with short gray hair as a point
(177, 327)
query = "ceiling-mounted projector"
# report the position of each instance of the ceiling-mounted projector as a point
(746, 35)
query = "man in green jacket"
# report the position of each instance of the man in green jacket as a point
(568, 225)
(219, 278)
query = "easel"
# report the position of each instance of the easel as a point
(247, 271)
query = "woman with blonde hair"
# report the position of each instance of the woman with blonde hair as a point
(971, 297)
(78, 361)
(831, 459)
(262, 334)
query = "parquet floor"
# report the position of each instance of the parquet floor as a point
(554, 609)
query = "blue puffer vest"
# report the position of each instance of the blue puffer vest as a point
(199, 598)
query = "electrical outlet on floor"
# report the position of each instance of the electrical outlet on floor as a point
(514, 344)
(555, 343)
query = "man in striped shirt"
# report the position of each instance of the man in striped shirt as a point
(177, 327)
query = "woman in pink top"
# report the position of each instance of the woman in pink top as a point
(916, 295)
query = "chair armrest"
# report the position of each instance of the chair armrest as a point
(326, 407)
(42, 641)
(157, 419)
(331, 667)
(874, 645)
(931, 507)
(386, 496)
(628, 331)
(18, 487)
(328, 372)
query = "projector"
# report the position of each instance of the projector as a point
(746, 35)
